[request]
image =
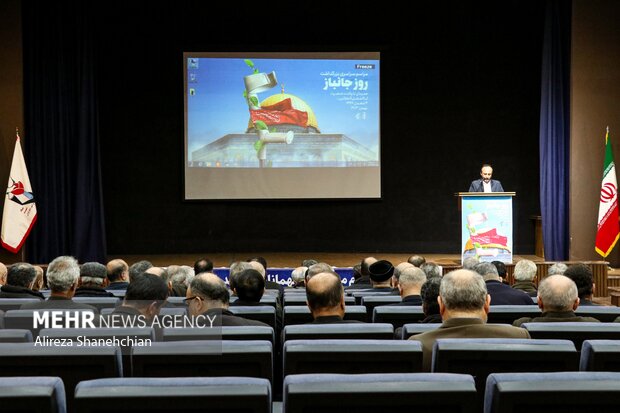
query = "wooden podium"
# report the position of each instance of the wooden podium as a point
(486, 225)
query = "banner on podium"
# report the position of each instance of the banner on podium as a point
(487, 228)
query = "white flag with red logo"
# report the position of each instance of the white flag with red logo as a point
(20, 211)
(608, 227)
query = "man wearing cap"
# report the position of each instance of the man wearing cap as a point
(381, 276)
(93, 280)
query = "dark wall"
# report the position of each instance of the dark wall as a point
(460, 87)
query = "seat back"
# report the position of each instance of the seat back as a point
(187, 394)
(251, 358)
(219, 333)
(15, 336)
(605, 314)
(507, 314)
(576, 332)
(300, 299)
(557, 392)
(262, 313)
(33, 395)
(412, 329)
(397, 315)
(99, 302)
(7, 304)
(372, 393)
(338, 331)
(600, 355)
(372, 301)
(351, 356)
(296, 314)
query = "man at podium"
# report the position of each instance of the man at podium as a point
(485, 183)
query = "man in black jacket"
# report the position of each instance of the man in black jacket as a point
(19, 281)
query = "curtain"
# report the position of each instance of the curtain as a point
(61, 131)
(555, 130)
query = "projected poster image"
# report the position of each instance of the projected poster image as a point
(284, 113)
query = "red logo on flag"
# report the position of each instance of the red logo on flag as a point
(608, 192)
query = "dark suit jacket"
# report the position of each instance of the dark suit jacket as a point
(333, 319)
(503, 294)
(464, 328)
(410, 300)
(226, 318)
(12, 291)
(118, 285)
(555, 317)
(92, 292)
(476, 186)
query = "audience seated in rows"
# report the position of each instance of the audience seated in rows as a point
(524, 274)
(145, 296)
(118, 275)
(501, 294)
(464, 304)
(19, 281)
(558, 300)
(63, 275)
(93, 281)
(325, 296)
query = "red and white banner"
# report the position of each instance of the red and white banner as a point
(608, 228)
(20, 210)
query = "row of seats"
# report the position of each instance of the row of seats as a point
(503, 392)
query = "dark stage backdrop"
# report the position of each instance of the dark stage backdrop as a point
(460, 87)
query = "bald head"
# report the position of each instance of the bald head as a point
(557, 293)
(206, 291)
(463, 290)
(117, 270)
(324, 292)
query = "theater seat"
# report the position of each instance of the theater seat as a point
(262, 313)
(187, 394)
(7, 304)
(352, 356)
(411, 329)
(338, 331)
(15, 336)
(219, 333)
(552, 392)
(372, 393)
(576, 332)
(600, 355)
(296, 314)
(99, 302)
(507, 314)
(397, 315)
(32, 395)
(252, 358)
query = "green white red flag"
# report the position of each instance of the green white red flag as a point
(608, 226)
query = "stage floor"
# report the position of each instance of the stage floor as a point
(294, 259)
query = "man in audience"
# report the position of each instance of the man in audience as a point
(19, 282)
(145, 297)
(249, 287)
(325, 298)
(208, 296)
(380, 276)
(257, 264)
(298, 277)
(138, 268)
(3, 272)
(235, 269)
(416, 260)
(38, 281)
(524, 274)
(464, 305)
(308, 262)
(581, 274)
(93, 280)
(317, 269)
(158, 271)
(558, 300)
(501, 270)
(203, 265)
(501, 294)
(557, 269)
(179, 278)
(397, 271)
(364, 281)
(470, 262)
(118, 275)
(63, 275)
(431, 270)
(429, 293)
(409, 285)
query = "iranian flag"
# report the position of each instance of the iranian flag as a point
(608, 228)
